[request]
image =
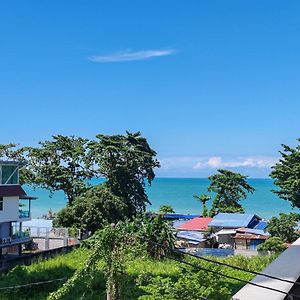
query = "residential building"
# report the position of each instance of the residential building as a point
(15, 207)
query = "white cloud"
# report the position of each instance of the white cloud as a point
(129, 55)
(215, 162)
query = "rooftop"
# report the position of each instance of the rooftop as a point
(196, 224)
(234, 220)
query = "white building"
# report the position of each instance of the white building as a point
(15, 208)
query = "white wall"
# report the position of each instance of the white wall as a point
(10, 210)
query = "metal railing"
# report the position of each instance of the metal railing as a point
(23, 214)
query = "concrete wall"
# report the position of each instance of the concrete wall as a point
(10, 210)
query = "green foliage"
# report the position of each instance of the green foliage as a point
(61, 164)
(112, 244)
(166, 209)
(230, 188)
(91, 211)
(188, 284)
(127, 161)
(283, 227)
(203, 199)
(158, 235)
(273, 244)
(59, 267)
(139, 281)
(287, 175)
(191, 283)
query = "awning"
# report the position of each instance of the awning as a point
(10, 190)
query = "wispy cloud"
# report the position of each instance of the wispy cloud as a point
(215, 162)
(129, 55)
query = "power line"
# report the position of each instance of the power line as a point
(231, 277)
(31, 284)
(237, 268)
(225, 275)
(228, 265)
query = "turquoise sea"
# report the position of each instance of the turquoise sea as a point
(178, 192)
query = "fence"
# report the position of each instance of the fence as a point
(28, 259)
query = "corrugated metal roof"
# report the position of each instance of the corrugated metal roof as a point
(9, 190)
(226, 231)
(180, 217)
(233, 220)
(261, 225)
(251, 230)
(249, 236)
(196, 224)
(191, 235)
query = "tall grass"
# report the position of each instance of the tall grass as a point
(64, 266)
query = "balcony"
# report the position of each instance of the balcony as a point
(20, 235)
(24, 214)
(15, 239)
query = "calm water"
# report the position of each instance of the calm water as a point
(178, 192)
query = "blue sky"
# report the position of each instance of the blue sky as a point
(209, 83)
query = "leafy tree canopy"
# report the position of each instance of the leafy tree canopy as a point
(203, 199)
(92, 210)
(274, 244)
(127, 161)
(230, 188)
(284, 227)
(61, 164)
(287, 175)
(166, 209)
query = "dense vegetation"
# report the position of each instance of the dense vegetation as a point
(143, 278)
(287, 175)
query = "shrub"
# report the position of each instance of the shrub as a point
(273, 244)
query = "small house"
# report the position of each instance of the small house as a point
(225, 224)
(249, 239)
(15, 207)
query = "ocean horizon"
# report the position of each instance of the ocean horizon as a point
(178, 192)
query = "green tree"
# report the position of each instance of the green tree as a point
(230, 188)
(92, 210)
(203, 199)
(166, 209)
(61, 164)
(157, 234)
(287, 175)
(284, 227)
(111, 246)
(127, 161)
(274, 244)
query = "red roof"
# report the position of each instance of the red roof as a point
(196, 224)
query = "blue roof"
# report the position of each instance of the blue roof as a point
(180, 217)
(232, 220)
(262, 225)
(192, 236)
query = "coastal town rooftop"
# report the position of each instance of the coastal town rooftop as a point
(196, 224)
(230, 220)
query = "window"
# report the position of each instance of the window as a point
(1, 203)
(10, 175)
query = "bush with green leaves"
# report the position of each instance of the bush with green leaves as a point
(287, 175)
(273, 244)
(96, 208)
(284, 227)
(166, 209)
